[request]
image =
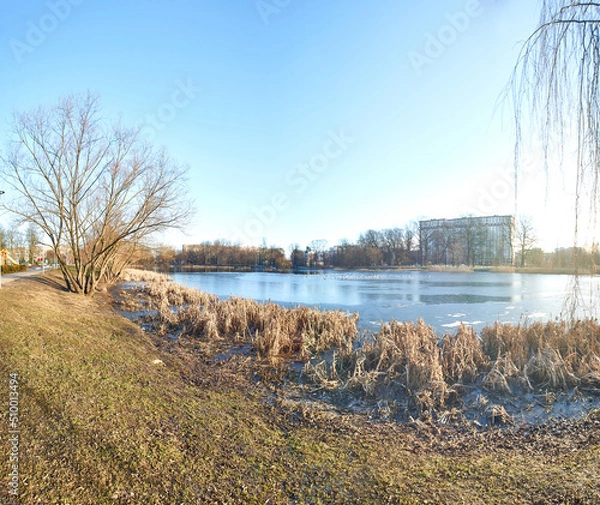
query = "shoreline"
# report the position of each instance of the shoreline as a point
(316, 271)
(458, 377)
(443, 299)
(113, 414)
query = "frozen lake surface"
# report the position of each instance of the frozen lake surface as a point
(442, 299)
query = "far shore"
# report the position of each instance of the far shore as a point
(410, 268)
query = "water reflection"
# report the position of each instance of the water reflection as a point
(442, 299)
(463, 298)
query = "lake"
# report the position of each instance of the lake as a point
(442, 299)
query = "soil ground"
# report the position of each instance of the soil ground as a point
(110, 414)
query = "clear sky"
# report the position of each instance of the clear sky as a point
(299, 120)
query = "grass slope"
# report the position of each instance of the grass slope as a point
(103, 421)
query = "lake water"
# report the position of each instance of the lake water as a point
(442, 299)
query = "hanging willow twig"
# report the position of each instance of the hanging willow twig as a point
(555, 91)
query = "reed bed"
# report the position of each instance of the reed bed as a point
(403, 360)
(274, 332)
(553, 355)
(462, 357)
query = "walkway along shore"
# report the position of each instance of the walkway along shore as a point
(6, 278)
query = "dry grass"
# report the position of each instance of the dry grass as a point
(401, 358)
(111, 415)
(274, 332)
(403, 361)
(552, 355)
(462, 356)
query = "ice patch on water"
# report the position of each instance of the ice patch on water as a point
(457, 315)
(456, 324)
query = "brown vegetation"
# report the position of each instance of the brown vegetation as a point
(109, 415)
(404, 363)
(274, 332)
(553, 355)
(11, 269)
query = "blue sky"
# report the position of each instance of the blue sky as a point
(299, 120)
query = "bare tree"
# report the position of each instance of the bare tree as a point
(556, 94)
(411, 240)
(318, 247)
(370, 238)
(93, 189)
(472, 239)
(32, 243)
(525, 238)
(426, 241)
(392, 245)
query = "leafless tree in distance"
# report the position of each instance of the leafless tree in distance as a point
(525, 238)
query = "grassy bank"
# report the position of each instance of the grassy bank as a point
(110, 414)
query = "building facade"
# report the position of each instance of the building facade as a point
(473, 241)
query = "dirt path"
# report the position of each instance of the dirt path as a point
(6, 278)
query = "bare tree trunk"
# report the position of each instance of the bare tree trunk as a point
(89, 187)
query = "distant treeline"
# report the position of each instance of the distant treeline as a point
(390, 247)
(218, 254)
(562, 259)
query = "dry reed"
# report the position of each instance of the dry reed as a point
(403, 359)
(274, 332)
(463, 359)
(553, 355)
